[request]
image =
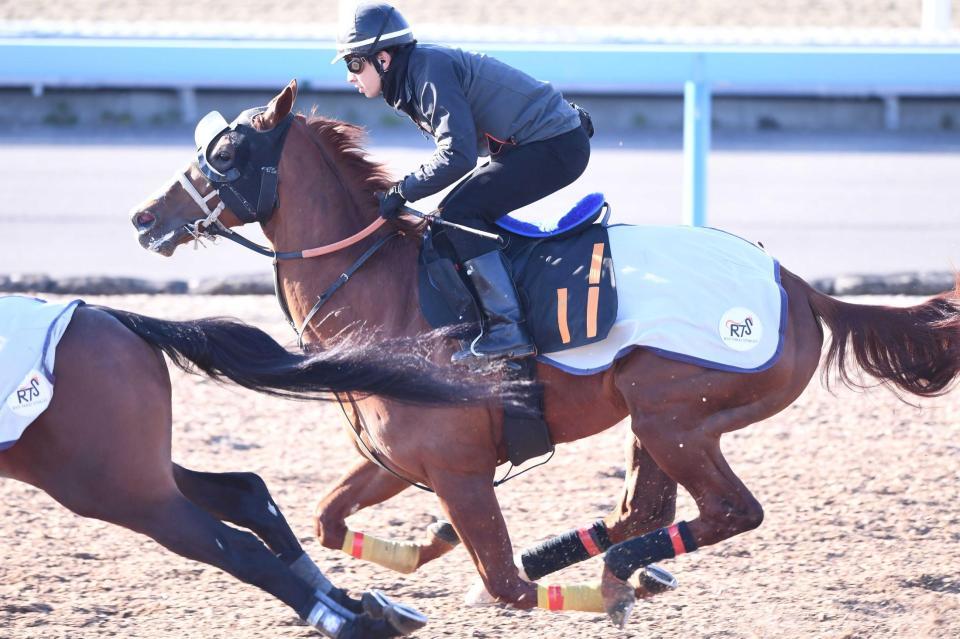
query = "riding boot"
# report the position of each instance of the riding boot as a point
(504, 334)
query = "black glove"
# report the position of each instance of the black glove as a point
(391, 204)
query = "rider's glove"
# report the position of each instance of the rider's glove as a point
(391, 204)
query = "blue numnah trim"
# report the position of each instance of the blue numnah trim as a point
(586, 207)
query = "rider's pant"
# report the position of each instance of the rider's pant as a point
(513, 178)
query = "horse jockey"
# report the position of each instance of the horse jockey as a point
(473, 105)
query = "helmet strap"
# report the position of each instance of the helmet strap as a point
(377, 64)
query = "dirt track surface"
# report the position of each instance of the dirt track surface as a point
(496, 13)
(861, 537)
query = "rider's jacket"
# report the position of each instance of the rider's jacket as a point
(469, 103)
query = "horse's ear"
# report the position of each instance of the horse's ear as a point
(279, 106)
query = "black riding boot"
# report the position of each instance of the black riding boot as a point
(504, 334)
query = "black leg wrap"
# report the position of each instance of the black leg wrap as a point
(625, 558)
(689, 543)
(562, 551)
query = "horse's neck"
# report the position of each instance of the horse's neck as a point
(381, 294)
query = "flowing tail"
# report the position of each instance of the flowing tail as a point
(915, 348)
(226, 349)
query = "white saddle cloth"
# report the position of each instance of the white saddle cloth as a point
(692, 294)
(30, 330)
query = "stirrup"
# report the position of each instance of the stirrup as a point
(470, 352)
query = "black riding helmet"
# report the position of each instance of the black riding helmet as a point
(374, 27)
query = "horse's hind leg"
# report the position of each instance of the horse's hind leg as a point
(647, 502)
(682, 436)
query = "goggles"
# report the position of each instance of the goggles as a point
(355, 63)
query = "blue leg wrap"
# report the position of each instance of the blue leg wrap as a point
(565, 550)
(625, 558)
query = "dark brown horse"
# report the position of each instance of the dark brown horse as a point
(678, 411)
(102, 447)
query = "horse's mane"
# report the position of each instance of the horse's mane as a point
(346, 141)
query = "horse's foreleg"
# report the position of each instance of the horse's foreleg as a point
(365, 485)
(470, 502)
(471, 505)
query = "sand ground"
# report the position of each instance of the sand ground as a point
(861, 536)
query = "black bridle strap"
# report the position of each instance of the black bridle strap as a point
(340, 281)
(253, 246)
(300, 255)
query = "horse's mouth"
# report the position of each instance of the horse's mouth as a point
(166, 244)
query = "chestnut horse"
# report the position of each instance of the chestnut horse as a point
(678, 411)
(102, 446)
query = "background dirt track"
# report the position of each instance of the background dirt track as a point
(497, 13)
(861, 537)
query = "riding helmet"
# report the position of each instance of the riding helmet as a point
(373, 28)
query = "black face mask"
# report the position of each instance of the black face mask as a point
(249, 187)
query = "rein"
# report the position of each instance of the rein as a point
(212, 227)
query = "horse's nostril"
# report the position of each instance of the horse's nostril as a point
(144, 220)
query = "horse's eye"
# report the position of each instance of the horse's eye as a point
(224, 155)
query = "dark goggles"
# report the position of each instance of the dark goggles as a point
(355, 63)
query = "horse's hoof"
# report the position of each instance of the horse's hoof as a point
(518, 561)
(618, 598)
(654, 580)
(405, 619)
(478, 595)
(444, 531)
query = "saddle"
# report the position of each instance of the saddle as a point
(564, 275)
(563, 272)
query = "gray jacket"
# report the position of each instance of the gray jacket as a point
(460, 98)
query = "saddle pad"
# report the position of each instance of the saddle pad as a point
(692, 294)
(30, 330)
(569, 289)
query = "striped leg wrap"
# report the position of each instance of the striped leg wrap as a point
(582, 597)
(400, 556)
(625, 558)
(564, 550)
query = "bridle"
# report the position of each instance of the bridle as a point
(239, 187)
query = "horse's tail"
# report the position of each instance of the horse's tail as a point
(229, 349)
(914, 348)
